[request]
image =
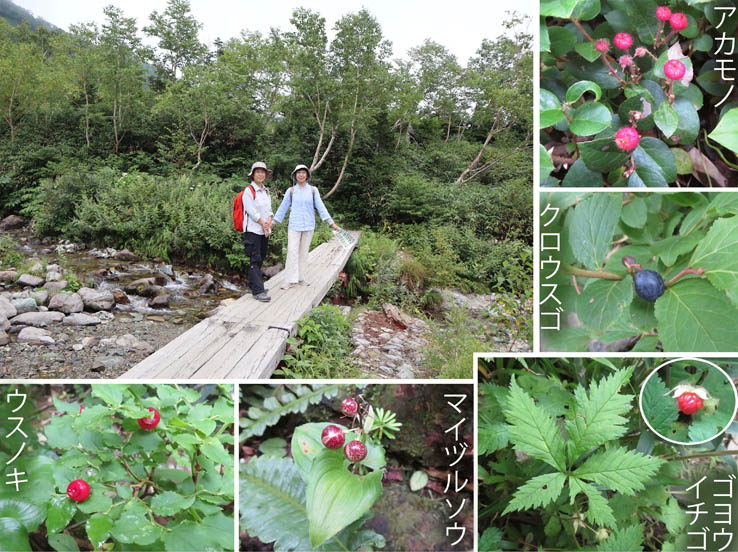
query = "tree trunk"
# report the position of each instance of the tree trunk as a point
(494, 129)
(345, 162)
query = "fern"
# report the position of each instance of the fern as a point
(269, 404)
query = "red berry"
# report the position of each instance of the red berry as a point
(332, 437)
(355, 451)
(78, 490)
(678, 21)
(674, 69)
(150, 423)
(663, 13)
(81, 408)
(602, 46)
(689, 403)
(623, 41)
(627, 138)
(349, 406)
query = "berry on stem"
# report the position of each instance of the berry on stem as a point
(649, 285)
(355, 451)
(689, 403)
(623, 41)
(78, 490)
(627, 138)
(663, 13)
(150, 423)
(349, 406)
(678, 21)
(602, 46)
(332, 437)
(674, 69)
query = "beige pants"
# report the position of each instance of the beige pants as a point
(298, 247)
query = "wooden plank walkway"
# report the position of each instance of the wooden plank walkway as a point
(246, 340)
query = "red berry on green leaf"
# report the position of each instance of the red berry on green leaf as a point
(332, 437)
(81, 408)
(623, 41)
(689, 403)
(663, 13)
(78, 490)
(627, 138)
(678, 21)
(355, 451)
(602, 46)
(150, 423)
(349, 406)
(674, 69)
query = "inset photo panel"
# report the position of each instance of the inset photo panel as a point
(638, 271)
(606, 453)
(117, 467)
(638, 94)
(357, 467)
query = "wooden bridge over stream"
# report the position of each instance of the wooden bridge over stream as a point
(246, 339)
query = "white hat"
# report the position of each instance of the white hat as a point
(300, 168)
(260, 165)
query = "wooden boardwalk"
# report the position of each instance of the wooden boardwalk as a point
(246, 339)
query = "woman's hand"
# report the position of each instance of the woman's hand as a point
(335, 227)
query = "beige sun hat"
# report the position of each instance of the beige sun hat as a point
(260, 165)
(300, 168)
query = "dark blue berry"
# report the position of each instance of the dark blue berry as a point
(649, 285)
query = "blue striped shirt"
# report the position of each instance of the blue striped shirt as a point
(302, 213)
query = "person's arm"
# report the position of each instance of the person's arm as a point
(249, 205)
(286, 203)
(322, 211)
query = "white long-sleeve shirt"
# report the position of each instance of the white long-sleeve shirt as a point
(255, 208)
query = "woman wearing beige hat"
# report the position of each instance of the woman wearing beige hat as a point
(257, 205)
(302, 200)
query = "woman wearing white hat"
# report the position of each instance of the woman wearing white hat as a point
(301, 199)
(257, 205)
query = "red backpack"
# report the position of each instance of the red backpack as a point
(238, 207)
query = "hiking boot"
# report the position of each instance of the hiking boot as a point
(252, 291)
(288, 285)
(263, 297)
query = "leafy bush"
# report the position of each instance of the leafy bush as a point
(687, 238)
(9, 256)
(168, 487)
(566, 461)
(591, 89)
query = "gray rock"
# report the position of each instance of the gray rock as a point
(55, 286)
(8, 276)
(38, 267)
(7, 308)
(66, 303)
(53, 276)
(53, 268)
(131, 343)
(35, 336)
(4, 339)
(25, 305)
(38, 319)
(106, 363)
(4, 322)
(81, 319)
(30, 280)
(167, 270)
(137, 287)
(405, 371)
(95, 300)
(41, 296)
(160, 301)
(11, 222)
(104, 316)
(207, 285)
(126, 255)
(120, 297)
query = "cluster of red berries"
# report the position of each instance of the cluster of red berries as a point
(79, 490)
(333, 437)
(677, 20)
(689, 403)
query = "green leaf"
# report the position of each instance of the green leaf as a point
(546, 165)
(98, 528)
(275, 446)
(491, 540)
(15, 536)
(598, 510)
(635, 212)
(577, 89)
(689, 122)
(60, 512)
(619, 469)
(602, 155)
(537, 491)
(30, 516)
(726, 132)
(590, 118)
(718, 255)
(627, 539)
(666, 118)
(658, 407)
(532, 430)
(60, 433)
(170, 503)
(654, 162)
(135, 527)
(557, 8)
(563, 40)
(694, 316)
(189, 535)
(592, 226)
(335, 497)
(549, 107)
(221, 527)
(579, 175)
(98, 501)
(670, 248)
(213, 449)
(418, 480)
(63, 543)
(602, 302)
(673, 516)
(598, 415)
(111, 393)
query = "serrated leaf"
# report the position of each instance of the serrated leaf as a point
(627, 539)
(532, 430)
(492, 437)
(718, 255)
(670, 248)
(169, 503)
(135, 527)
(98, 528)
(60, 512)
(673, 516)
(598, 510)
(602, 302)
(659, 408)
(111, 393)
(490, 540)
(537, 491)
(592, 226)
(189, 535)
(694, 316)
(213, 449)
(598, 415)
(619, 469)
(635, 212)
(726, 131)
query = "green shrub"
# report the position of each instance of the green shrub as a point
(9, 256)
(450, 353)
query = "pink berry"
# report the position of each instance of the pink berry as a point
(602, 46)
(623, 41)
(78, 490)
(624, 61)
(349, 406)
(150, 423)
(355, 451)
(674, 69)
(663, 13)
(332, 436)
(678, 21)
(627, 138)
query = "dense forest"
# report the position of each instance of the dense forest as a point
(109, 142)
